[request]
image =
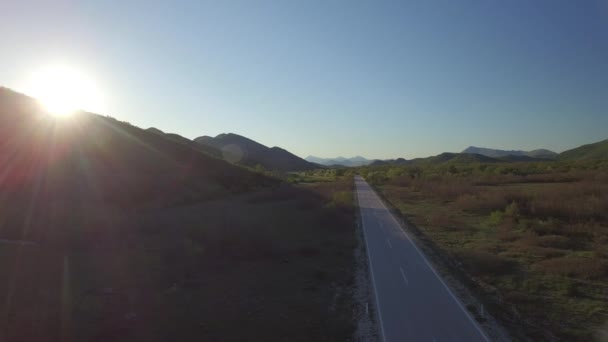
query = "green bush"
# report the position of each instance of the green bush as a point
(496, 218)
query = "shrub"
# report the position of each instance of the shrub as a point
(342, 198)
(512, 211)
(495, 218)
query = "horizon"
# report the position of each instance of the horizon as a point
(353, 156)
(384, 80)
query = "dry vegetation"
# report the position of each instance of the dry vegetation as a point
(533, 237)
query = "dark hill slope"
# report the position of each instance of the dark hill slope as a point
(203, 148)
(53, 168)
(244, 151)
(178, 138)
(598, 150)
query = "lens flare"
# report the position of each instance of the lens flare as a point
(63, 90)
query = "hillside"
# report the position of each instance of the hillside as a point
(598, 150)
(90, 159)
(210, 150)
(495, 153)
(240, 150)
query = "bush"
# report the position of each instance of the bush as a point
(495, 218)
(342, 199)
(512, 211)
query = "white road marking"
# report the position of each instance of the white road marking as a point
(389, 243)
(404, 277)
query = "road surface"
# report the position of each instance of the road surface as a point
(412, 301)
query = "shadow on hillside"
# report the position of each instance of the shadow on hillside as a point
(136, 236)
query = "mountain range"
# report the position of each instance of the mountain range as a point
(495, 153)
(446, 157)
(598, 150)
(340, 161)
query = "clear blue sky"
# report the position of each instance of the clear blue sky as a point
(327, 78)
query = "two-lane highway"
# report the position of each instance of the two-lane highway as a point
(412, 301)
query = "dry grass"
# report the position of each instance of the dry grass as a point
(574, 267)
(539, 241)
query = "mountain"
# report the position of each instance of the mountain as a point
(495, 153)
(598, 150)
(244, 151)
(155, 130)
(53, 168)
(340, 161)
(210, 150)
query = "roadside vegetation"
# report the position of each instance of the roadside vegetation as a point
(533, 237)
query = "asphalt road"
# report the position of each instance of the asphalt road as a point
(412, 301)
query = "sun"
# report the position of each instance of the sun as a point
(64, 90)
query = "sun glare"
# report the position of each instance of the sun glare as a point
(62, 91)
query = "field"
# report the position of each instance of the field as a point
(273, 264)
(531, 237)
